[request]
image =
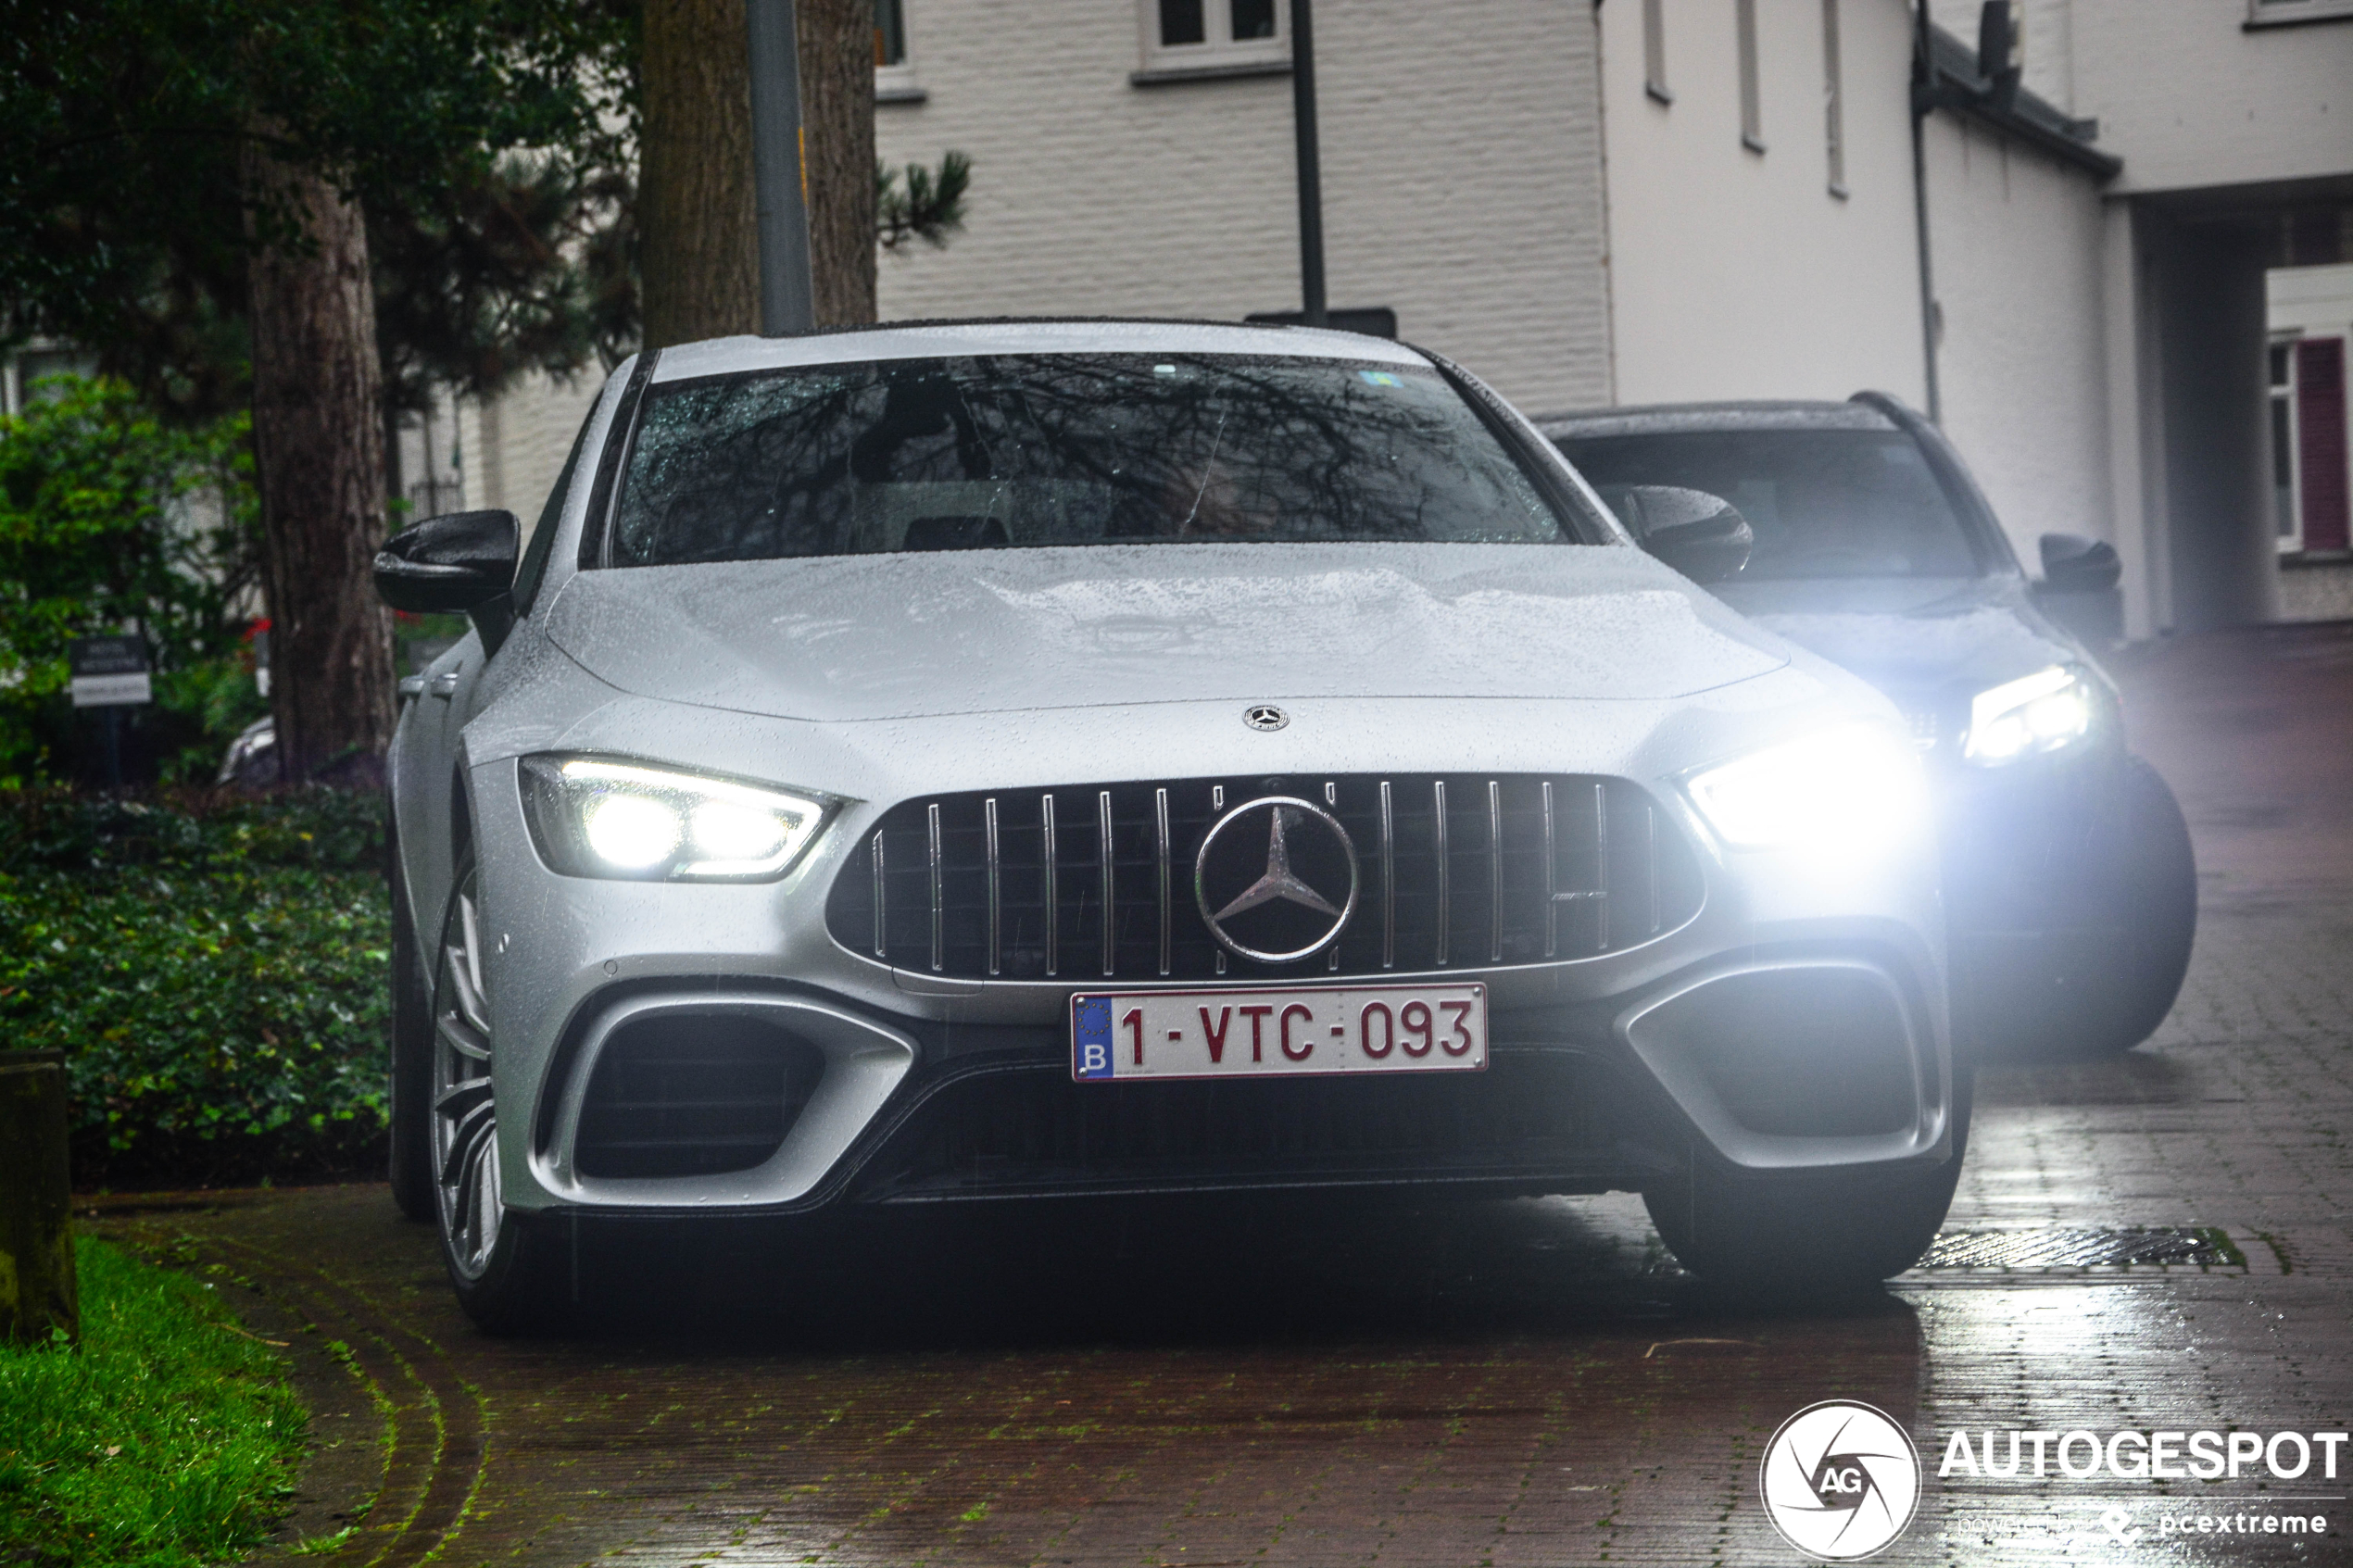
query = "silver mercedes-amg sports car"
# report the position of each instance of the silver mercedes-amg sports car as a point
(962, 761)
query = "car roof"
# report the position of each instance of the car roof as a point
(1668, 419)
(924, 340)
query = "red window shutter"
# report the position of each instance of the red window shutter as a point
(2320, 434)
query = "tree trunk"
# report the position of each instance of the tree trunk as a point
(837, 42)
(318, 432)
(699, 251)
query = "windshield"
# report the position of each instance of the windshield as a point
(1823, 503)
(996, 451)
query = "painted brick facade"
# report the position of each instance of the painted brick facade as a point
(1462, 177)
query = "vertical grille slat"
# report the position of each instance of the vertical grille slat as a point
(995, 889)
(1445, 893)
(1160, 843)
(1388, 879)
(1104, 857)
(1495, 871)
(938, 895)
(1051, 874)
(1472, 869)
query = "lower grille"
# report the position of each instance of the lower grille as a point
(1032, 1129)
(1091, 881)
(688, 1094)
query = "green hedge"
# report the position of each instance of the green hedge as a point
(214, 968)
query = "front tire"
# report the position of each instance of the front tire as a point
(2156, 893)
(510, 1273)
(1810, 1233)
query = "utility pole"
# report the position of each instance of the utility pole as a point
(780, 180)
(1311, 173)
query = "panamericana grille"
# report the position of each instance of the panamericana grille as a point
(1085, 881)
(1034, 1128)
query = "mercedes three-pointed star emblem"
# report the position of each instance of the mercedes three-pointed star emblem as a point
(1285, 939)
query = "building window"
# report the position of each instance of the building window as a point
(1186, 38)
(1751, 114)
(2285, 501)
(1833, 102)
(894, 68)
(2324, 496)
(2280, 13)
(1654, 51)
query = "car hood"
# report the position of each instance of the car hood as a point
(1906, 634)
(894, 637)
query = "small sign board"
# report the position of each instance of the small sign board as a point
(109, 671)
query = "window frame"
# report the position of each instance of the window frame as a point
(1833, 102)
(1219, 52)
(897, 82)
(1752, 91)
(2288, 12)
(2281, 410)
(1654, 53)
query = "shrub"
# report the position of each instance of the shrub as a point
(167, 1440)
(112, 521)
(213, 966)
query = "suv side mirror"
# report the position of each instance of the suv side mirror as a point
(1699, 535)
(2072, 564)
(464, 562)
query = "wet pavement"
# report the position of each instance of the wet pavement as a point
(1517, 1383)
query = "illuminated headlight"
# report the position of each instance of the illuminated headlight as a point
(1857, 786)
(2040, 712)
(595, 817)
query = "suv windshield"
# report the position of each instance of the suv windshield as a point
(1823, 503)
(993, 451)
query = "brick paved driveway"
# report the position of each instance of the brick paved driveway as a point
(1525, 1383)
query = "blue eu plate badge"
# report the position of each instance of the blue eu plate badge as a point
(1091, 1036)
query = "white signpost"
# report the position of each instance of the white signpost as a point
(110, 673)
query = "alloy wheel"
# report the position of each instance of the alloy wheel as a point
(465, 1120)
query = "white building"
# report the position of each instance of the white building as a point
(1598, 201)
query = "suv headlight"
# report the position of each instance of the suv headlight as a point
(2041, 712)
(1852, 787)
(593, 816)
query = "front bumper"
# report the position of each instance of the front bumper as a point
(1796, 1023)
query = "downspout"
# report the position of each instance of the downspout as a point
(1923, 104)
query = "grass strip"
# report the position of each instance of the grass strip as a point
(166, 1439)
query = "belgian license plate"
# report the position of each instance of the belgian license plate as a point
(1126, 1035)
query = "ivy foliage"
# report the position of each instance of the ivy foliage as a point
(214, 968)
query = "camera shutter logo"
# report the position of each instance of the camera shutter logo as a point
(1841, 1481)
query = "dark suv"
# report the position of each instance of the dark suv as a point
(2071, 894)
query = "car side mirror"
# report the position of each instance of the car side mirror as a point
(2072, 564)
(1699, 535)
(464, 562)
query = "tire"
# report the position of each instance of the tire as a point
(1777, 1239)
(411, 1069)
(2155, 894)
(511, 1272)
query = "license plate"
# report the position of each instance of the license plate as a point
(1129, 1035)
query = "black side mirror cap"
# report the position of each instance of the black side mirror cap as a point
(2072, 564)
(463, 561)
(1701, 535)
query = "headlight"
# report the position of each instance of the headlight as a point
(2035, 713)
(594, 817)
(1857, 787)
